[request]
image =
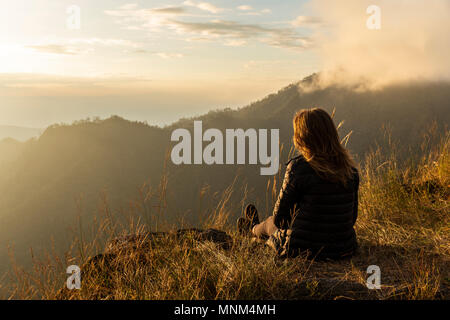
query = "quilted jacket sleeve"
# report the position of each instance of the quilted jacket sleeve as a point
(287, 198)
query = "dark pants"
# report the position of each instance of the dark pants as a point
(265, 228)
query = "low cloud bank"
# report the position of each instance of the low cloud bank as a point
(412, 44)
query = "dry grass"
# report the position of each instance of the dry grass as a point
(403, 227)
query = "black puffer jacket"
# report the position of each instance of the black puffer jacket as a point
(315, 215)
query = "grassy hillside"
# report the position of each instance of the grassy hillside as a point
(403, 227)
(52, 184)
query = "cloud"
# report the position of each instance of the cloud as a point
(301, 21)
(290, 41)
(205, 6)
(166, 55)
(169, 10)
(102, 42)
(129, 6)
(245, 8)
(284, 38)
(140, 51)
(77, 46)
(235, 43)
(227, 32)
(54, 49)
(220, 28)
(412, 44)
(130, 15)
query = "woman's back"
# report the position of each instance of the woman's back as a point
(315, 214)
(318, 202)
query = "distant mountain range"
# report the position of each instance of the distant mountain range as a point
(42, 180)
(19, 133)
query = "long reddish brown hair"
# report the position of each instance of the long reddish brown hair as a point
(316, 137)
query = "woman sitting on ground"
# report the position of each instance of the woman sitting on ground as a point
(318, 203)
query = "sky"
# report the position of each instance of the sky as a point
(157, 61)
(145, 60)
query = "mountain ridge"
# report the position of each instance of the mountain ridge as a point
(19, 133)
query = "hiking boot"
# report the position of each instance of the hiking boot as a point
(251, 214)
(245, 224)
